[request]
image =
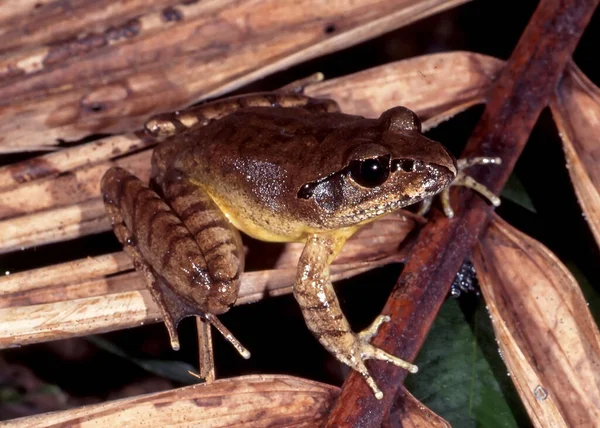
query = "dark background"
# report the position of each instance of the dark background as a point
(73, 372)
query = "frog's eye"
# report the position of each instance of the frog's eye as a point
(370, 172)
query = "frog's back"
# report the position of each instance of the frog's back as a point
(279, 135)
(254, 161)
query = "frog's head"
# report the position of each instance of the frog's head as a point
(388, 165)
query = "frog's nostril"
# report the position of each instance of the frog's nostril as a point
(407, 165)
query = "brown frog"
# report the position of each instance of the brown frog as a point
(279, 167)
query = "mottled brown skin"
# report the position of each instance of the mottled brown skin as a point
(279, 167)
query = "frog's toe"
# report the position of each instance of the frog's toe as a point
(370, 352)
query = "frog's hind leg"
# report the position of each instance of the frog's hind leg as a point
(167, 255)
(163, 126)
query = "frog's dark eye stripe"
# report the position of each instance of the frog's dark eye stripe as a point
(407, 165)
(370, 172)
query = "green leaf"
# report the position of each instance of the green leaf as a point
(461, 375)
(515, 192)
(176, 371)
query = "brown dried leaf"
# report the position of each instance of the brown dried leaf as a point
(85, 296)
(113, 77)
(65, 160)
(576, 111)
(435, 86)
(54, 225)
(547, 336)
(257, 401)
(411, 413)
(68, 189)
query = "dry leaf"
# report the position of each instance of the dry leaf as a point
(257, 401)
(547, 336)
(576, 111)
(411, 413)
(98, 295)
(119, 72)
(435, 86)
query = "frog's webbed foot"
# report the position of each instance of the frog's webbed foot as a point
(368, 351)
(174, 309)
(464, 180)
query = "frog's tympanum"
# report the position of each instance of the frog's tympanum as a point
(279, 167)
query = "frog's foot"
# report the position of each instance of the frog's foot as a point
(298, 86)
(368, 351)
(464, 180)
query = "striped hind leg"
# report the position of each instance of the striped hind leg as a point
(183, 279)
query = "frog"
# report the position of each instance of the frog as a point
(280, 167)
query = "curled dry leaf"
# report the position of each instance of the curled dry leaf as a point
(576, 111)
(454, 82)
(103, 294)
(257, 401)
(117, 75)
(547, 336)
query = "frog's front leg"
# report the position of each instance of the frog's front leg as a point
(463, 180)
(188, 252)
(323, 315)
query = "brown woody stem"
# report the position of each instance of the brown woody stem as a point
(514, 105)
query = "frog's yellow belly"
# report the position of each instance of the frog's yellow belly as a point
(262, 223)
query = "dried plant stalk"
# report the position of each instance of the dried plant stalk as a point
(257, 401)
(70, 307)
(68, 189)
(522, 90)
(117, 75)
(55, 225)
(547, 336)
(68, 159)
(206, 359)
(576, 111)
(63, 274)
(439, 98)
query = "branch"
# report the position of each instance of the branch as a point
(523, 90)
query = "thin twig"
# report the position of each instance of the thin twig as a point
(205, 351)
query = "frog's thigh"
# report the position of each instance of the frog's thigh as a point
(219, 241)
